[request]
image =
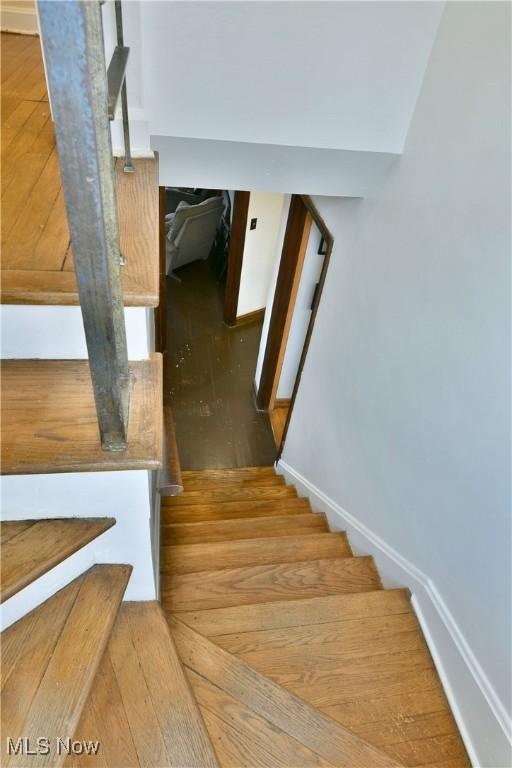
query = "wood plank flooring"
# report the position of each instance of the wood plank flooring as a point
(285, 639)
(49, 421)
(37, 264)
(209, 375)
(31, 548)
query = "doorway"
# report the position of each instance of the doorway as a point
(306, 250)
(208, 365)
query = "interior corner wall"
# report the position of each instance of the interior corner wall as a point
(259, 250)
(401, 426)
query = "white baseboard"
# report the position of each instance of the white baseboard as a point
(481, 717)
(16, 19)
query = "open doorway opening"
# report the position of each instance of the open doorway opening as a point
(240, 275)
(209, 365)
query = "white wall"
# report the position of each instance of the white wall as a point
(310, 275)
(341, 75)
(401, 427)
(272, 287)
(139, 126)
(208, 164)
(259, 250)
(57, 332)
(126, 496)
(18, 16)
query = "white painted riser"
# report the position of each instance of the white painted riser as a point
(129, 497)
(57, 332)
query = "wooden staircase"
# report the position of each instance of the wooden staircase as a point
(99, 681)
(296, 654)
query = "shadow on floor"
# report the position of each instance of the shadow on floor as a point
(208, 377)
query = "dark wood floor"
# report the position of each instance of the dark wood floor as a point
(208, 378)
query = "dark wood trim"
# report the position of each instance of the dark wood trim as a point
(295, 241)
(235, 255)
(250, 317)
(282, 402)
(161, 310)
(329, 241)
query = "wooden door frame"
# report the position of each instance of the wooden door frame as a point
(235, 255)
(298, 227)
(300, 219)
(161, 309)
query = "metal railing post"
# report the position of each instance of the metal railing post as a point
(72, 39)
(128, 165)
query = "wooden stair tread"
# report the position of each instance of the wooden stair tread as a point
(242, 737)
(192, 558)
(196, 480)
(242, 528)
(242, 588)
(311, 728)
(141, 706)
(41, 546)
(52, 666)
(282, 614)
(49, 421)
(229, 493)
(265, 583)
(12, 528)
(228, 474)
(233, 510)
(359, 658)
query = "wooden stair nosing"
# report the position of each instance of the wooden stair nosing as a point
(67, 679)
(192, 558)
(265, 583)
(43, 545)
(232, 510)
(242, 528)
(310, 727)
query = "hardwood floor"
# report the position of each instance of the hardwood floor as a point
(37, 263)
(208, 378)
(296, 654)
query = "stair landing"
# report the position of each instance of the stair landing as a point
(37, 260)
